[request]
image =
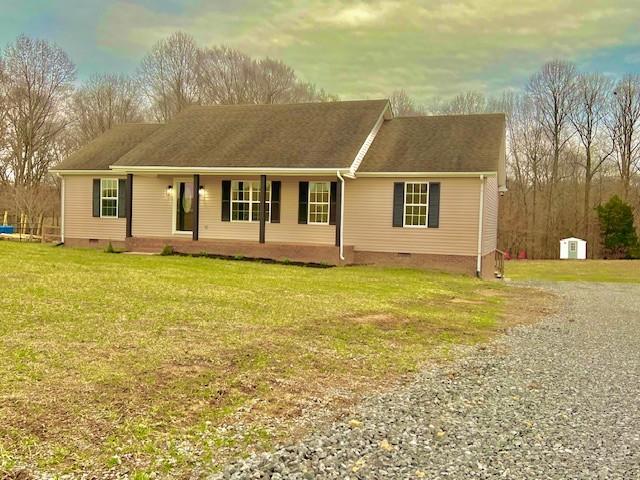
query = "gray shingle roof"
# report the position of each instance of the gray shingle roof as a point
(312, 135)
(450, 143)
(107, 148)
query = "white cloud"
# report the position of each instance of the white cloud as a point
(369, 48)
(361, 14)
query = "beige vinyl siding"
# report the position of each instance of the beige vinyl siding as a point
(211, 224)
(153, 212)
(369, 214)
(79, 221)
(152, 206)
(289, 230)
(490, 217)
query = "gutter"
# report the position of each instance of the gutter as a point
(341, 178)
(158, 170)
(480, 220)
(427, 174)
(61, 209)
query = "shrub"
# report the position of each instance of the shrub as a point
(109, 249)
(167, 250)
(617, 231)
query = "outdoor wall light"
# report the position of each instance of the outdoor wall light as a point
(201, 189)
(169, 188)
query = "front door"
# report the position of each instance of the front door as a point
(573, 249)
(184, 207)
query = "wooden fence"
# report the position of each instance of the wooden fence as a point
(44, 229)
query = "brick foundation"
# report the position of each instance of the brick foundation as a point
(93, 243)
(465, 264)
(309, 253)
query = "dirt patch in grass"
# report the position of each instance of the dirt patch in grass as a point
(381, 320)
(527, 305)
(192, 361)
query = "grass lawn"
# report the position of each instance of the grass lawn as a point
(623, 271)
(141, 364)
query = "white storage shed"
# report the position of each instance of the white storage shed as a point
(573, 249)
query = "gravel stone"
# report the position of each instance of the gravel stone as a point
(556, 400)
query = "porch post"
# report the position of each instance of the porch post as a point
(263, 206)
(129, 204)
(196, 206)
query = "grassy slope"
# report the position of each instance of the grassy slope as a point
(135, 362)
(624, 271)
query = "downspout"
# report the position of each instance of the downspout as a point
(341, 178)
(61, 209)
(480, 219)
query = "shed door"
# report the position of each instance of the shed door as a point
(573, 249)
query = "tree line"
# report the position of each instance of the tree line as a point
(573, 138)
(573, 142)
(45, 114)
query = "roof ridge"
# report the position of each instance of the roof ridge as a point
(282, 105)
(137, 123)
(453, 115)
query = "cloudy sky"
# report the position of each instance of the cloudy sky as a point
(356, 49)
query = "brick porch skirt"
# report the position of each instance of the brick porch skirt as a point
(308, 253)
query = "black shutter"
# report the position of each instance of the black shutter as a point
(434, 205)
(122, 198)
(96, 197)
(275, 202)
(398, 204)
(332, 203)
(226, 200)
(303, 199)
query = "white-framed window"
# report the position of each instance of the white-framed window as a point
(319, 198)
(245, 201)
(109, 197)
(416, 204)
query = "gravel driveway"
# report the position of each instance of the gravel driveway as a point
(557, 400)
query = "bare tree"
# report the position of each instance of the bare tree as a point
(275, 82)
(552, 89)
(104, 101)
(624, 128)
(4, 163)
(403, 105)
(530, 159)
(462, 104)
(227, 76)
(588, 115)
(224, 76)
(35, 89)
(308, 92)
(169, 73)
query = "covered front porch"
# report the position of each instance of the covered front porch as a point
(284, 217)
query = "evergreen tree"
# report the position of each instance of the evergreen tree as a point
(617, 231)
